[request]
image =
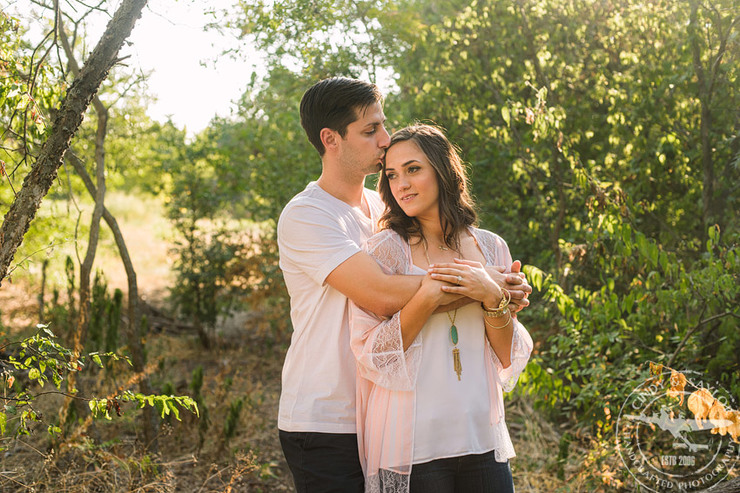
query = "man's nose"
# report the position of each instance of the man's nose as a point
(384, 138)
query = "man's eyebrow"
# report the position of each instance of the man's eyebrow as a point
(375, 123)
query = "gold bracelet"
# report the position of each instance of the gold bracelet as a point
(498, 327)
(495, 313)
(502, 308)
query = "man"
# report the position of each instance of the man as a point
(320, 233)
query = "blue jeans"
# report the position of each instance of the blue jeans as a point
(467, 474)
(323, 462)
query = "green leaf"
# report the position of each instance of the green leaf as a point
(160, 406)
(173, 408)
(96, 358)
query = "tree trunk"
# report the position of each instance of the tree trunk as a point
(133, 328)
(44, 265)
(83, 319)
(92, 245)
(558, 170)
(82, 322)
(66, 122)
(705, 122)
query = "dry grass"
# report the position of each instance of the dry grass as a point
(146, 230)
(108, 455)
(239, 366)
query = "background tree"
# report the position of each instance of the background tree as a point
(65, 123)
(43, 172)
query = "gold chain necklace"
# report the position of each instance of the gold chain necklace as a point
(457, 366)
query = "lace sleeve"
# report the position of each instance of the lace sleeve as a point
(521, 348)
(497, 252)
(388, 250)
(377, 343)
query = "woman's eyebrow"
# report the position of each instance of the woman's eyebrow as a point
(404, 164)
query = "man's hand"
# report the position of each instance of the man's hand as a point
(517, 285)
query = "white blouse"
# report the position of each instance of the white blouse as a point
(453, 417)
(410, 406)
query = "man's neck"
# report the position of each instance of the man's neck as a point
(350, 193)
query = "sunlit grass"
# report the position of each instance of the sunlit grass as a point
(62, 227)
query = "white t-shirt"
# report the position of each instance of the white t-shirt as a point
(316, 233)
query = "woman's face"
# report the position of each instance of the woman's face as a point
(412, 180)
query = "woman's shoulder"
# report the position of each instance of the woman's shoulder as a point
(388, 248)
(490, 241)
(385, 236)
(487, 236)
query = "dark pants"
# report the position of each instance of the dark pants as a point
(323, 462)
(466, 474)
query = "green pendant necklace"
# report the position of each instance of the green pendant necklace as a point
(456, 365)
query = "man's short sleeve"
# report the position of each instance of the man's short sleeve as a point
(313, 240)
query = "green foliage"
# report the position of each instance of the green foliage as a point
(251, 153)
(105, 318)
(165, 405)
(591, 135)
(495, 64)
(196, 386)
(26, 95)
(224, 203)
(232, 419)
(651, 306)
(201, 292)
(35, 361)
(113, 311)
(326, 37)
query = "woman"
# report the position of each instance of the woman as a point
(430, 403)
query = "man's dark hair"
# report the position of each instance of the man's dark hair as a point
(334, 103)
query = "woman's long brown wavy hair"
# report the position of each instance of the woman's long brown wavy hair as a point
(456, 207)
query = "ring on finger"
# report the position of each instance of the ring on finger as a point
(459, 280)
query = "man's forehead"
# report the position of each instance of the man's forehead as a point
(372, 113)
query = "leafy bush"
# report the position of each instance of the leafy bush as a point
(31, 363)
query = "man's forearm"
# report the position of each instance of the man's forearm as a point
(361, 279)
(390, 295)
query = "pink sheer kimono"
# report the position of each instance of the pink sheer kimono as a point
(386, 374)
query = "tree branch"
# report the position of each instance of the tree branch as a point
(694, 329)
(66, 123)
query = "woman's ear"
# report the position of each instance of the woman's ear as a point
(329, 138)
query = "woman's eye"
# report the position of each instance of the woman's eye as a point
(390, 176)
(413, 169)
